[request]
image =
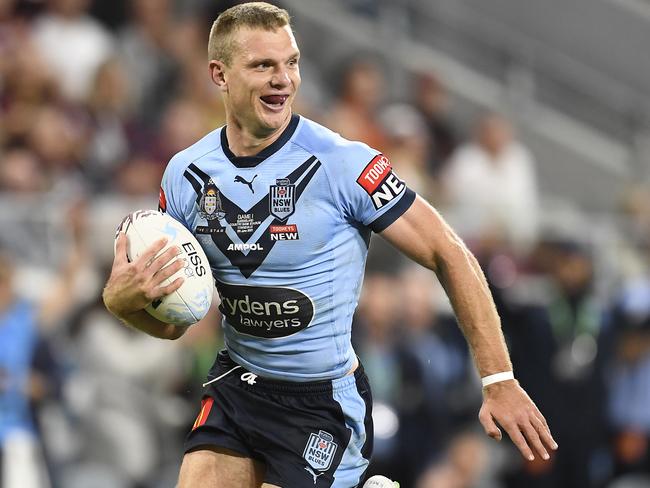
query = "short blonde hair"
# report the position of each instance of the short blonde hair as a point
(260, 15)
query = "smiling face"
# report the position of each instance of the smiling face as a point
(261, 80)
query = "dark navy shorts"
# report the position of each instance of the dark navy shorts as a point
(307, 434)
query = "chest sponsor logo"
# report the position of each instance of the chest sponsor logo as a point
(320, 450)
(287, 232)
(265, 311)
(379, 181)
(210, 206)
(282, 202)
(245, 246)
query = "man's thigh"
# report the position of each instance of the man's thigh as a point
(220, 468)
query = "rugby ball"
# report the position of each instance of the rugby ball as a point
(191, 302)
(379, 481)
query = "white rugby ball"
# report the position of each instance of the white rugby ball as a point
(379, 481)
(191, 302)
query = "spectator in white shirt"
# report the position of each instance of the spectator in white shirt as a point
(74, 45)
(491, 187)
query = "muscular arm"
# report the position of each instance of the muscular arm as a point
(423, 235)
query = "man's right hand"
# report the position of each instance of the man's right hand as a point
(134, 285)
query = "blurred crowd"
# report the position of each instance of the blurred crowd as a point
(95, 97)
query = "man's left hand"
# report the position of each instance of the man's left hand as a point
(507, 404)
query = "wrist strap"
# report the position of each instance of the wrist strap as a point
(497, 377)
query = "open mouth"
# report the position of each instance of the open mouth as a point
(275, 102)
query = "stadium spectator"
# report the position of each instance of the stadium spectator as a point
(139, 176)
(75, 43)
(20, 172)
(465, 464)
(182, 121)
(145, 45)
(436, 389)
(559, 348)
(27, 85)
(58, 140)
(354, 114)
(408, 145)
(28, 370)
(21, 460)
(491, 187)
(432, 100)
(192, 86)
(125, 397)
(110, 121)
(630, 380)
(376, 334)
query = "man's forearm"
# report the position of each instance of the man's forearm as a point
(467, 289)
(144, 322)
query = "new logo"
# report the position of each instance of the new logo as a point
(288, 232)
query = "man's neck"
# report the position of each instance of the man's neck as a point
(242, 142)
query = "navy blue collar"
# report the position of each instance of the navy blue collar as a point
(252, 161)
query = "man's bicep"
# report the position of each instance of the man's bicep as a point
(420, 233)
(171, 196)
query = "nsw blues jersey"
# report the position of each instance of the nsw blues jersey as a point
(287, 234)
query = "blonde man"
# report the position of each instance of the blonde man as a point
(284, 209)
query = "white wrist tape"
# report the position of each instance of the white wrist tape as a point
(496, 377)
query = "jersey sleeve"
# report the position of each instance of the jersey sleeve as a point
(368, 189)
(170, 198)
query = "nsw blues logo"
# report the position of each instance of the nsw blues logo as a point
(282, 201)
(320, 450)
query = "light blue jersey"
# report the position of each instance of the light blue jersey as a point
(287, 234)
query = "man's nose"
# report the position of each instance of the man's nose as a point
(280, 78)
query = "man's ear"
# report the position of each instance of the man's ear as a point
(218, 74)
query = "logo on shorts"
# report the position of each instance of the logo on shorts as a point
(202, 417)
(282, 199)
(210, 206)
(248, 377)
(320, 450)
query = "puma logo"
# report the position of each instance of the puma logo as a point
(240, 179)
(313, 473)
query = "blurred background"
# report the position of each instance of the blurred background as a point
(527, 124)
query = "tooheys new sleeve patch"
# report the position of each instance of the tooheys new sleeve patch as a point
(379, 181)
(162, 201)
